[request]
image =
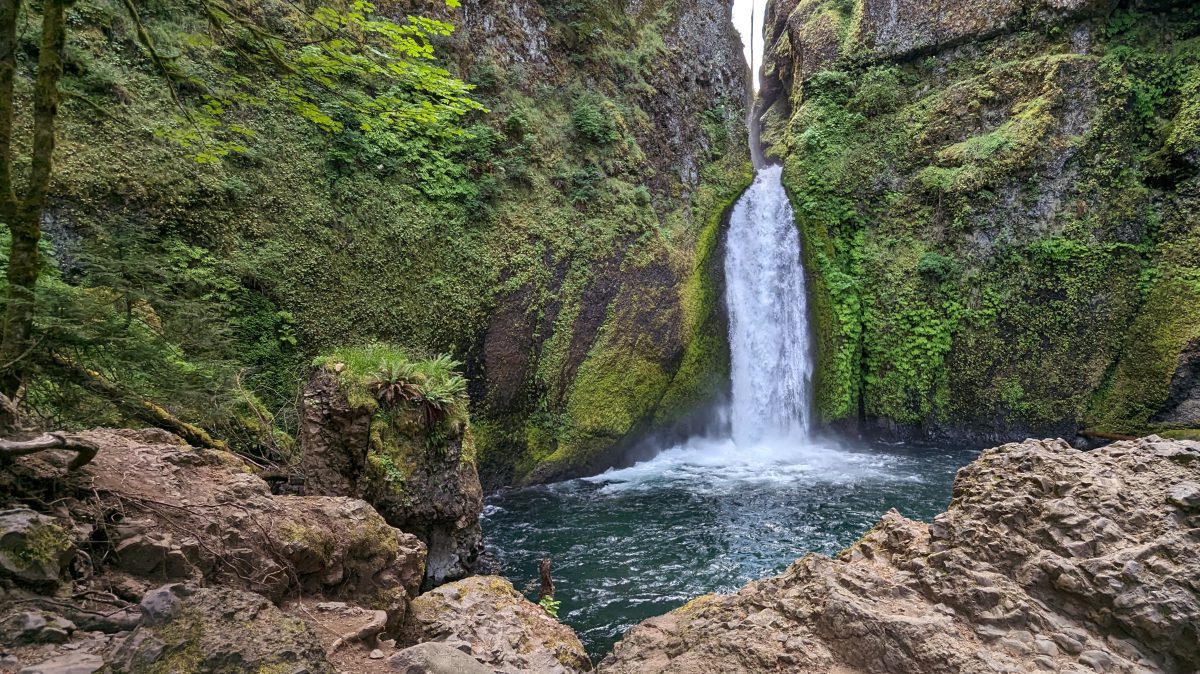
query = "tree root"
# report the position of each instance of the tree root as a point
(367, 634)
(85, 451)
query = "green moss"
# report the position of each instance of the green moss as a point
(1140, 383)
(981, 230)
(184, 653)
(316, 539)
(704, 369)
(43, 545)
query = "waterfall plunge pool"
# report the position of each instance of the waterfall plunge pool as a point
(712, 515)
(634, 543)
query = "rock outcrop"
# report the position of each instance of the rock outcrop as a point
(486, 617)
(167, 512)
(190, 629)
(420, 480)
(1048, 559)
(248, 577)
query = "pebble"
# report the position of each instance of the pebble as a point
(376, 654)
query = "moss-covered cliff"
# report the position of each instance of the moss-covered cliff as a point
(998, 202)
(557, 243)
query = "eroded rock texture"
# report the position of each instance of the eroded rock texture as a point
(1048, 559)
(422, 481)
(487, 618)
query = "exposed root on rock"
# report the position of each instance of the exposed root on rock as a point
(367, 634)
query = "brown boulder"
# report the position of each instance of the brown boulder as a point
(498, 626)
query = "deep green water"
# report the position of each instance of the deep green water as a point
(638, 542)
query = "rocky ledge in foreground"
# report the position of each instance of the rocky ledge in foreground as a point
(1048, 559)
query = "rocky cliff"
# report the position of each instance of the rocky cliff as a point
(559, 243)
(1048, 559)
(158, 557)
(995, 199)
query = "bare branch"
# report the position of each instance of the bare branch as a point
(85, 451)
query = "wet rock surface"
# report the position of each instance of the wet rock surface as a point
(439, 498)
(485, 617)
(1048, 559)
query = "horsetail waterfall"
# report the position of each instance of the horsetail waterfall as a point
(713, 512)
(771, 363)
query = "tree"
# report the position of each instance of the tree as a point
(338, 60)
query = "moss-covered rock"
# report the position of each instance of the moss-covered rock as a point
(34, 549)
(994, 232)
(392, 429)
(190, 630)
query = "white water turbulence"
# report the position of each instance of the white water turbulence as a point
(768, 327)
(770, 429)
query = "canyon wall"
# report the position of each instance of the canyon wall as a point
(560, 244)
(997, 201)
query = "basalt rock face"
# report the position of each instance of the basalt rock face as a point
(979, 267)
(550, 405)
(487, 618)
(1048, 559)
(421, 481)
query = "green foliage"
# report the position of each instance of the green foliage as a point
(387, 376)
(594, 123)
(551, 606)
(331, 63)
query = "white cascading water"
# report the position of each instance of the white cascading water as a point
(768, 329)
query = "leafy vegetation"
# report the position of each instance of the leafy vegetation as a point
(993, 236)
(337, 226)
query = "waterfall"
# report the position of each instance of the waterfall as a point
(768, 328)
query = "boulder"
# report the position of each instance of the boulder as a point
(34, 549)
(190, 629)
(34, 627)
(1048, 559)
(67, 663)
(435, 658)
(180, 513)
(497, 626)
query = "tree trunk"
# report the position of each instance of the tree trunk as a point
(24, 215)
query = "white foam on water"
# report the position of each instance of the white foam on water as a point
(706, 466)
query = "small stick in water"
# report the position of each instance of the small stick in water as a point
(547, 582)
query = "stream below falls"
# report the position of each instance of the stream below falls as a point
(708, 517)
(712, 515)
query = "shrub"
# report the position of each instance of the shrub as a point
(594, 124)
